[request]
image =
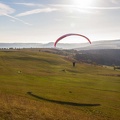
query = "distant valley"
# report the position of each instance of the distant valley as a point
(110, 44)
(99, 52)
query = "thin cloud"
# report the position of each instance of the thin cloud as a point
(29, 4)
(60, 7)
(115, 1)
(17, 19)
(5, 9)
(99, 8)
(104, 8)
(36, 11)
(87, 10)
(77, 6)
(81, 9)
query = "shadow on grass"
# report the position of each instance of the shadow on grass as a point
(62, 102)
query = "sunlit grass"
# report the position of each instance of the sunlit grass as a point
(58, 90)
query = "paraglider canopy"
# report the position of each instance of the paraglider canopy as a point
(70, 34)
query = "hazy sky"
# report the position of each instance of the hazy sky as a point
(45, 20)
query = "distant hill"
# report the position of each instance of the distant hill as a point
(108, 44)
(102, 57)
(20, 45)
(109, 57)
(99, 52)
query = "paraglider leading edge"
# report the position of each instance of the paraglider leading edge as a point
(60, 38)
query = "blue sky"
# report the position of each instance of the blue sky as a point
(42, 21)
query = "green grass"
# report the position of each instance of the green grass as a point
(44, 86)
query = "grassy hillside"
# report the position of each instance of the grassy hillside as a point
(44, 86)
